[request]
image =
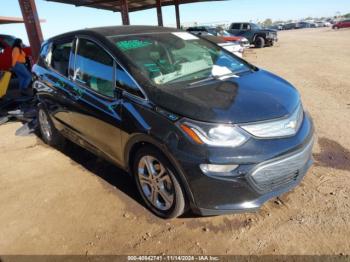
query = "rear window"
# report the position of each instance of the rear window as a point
(9, 40)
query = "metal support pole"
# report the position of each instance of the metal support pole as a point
(125, 12)
(177, 12)
(32, 24)
(159, 12)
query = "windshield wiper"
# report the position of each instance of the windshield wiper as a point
(215, 77)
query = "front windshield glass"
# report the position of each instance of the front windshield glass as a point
(255, 26)
(167, 58)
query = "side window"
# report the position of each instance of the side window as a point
(236, 26)
(94, 68)
(246, 27)
(124, 81)
(60, 57)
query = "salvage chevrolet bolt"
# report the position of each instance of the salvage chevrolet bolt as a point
(197, 127)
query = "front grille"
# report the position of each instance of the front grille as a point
(281, 172)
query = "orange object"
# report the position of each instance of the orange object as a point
(4, 83)
(192, 134)
(18, 56)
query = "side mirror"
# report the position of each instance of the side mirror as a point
(249, 28)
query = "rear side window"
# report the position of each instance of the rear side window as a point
(60, 57)
(94, 68)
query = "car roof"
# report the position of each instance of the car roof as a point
(108, 31)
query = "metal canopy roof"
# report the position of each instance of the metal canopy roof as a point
(10, 20)
(133, 5)
(14, 20)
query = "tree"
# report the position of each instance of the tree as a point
(347, 15)
(267, 22)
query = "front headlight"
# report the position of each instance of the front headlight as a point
(277, 128)
(223, 135)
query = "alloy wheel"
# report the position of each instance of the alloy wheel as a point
(156, 183)
(45, 126)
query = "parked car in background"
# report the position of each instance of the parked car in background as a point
(6, 42)
(199, 30)
(196, 126)
(255, 34)
(306, 25)
(320, 24)
(234, 47)
(342, 24)
(276, 27)
(290, 26)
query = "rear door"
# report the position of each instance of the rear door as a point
(55, 88)
(235, 28)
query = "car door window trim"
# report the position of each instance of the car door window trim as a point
(117, 63)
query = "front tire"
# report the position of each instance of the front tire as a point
(259, 42)
(49, 133)
(158, 183)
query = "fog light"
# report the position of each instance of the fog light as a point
(220, 170)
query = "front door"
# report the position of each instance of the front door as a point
(98, 119)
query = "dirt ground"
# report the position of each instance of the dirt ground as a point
(69, 202)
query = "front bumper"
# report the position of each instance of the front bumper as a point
(272, 38)
(288, 170)
(266, 169)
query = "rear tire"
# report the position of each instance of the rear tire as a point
(48, 132)
(336, 28)
(259, 42)
(158, 183)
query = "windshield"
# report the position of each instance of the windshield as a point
(255, 27)
(166, 58)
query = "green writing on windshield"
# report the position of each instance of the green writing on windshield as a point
(132, 44)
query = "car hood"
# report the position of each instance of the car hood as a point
(252, 97)
(269, 30)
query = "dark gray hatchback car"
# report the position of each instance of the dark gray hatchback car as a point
(196, 126)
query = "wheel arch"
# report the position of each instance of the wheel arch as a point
(140, 140)
(263, 35)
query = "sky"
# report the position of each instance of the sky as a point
(63, 18)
